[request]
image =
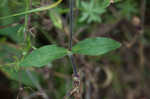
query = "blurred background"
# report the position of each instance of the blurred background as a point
(120, 74)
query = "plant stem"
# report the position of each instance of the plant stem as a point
(35, 82)
(71, 36)
(71, 23)
(73, 65)
(34, 10)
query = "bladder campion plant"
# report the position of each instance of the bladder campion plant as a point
(89, 46)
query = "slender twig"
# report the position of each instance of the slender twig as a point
(76, 78)
(35, 82)
(34, 10)
(141, 47)
(143, 9)
(71, 23)
(71, 36)
(25, 30)
(33, 95)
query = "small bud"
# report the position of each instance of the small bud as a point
(111, 1)
(136, 21)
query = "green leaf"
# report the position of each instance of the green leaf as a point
(34, 10)
(128, 8)
(95, 46)
(104, 3)
(115, 1)
(12, 32)
(91, 12)
(8, 52)
(56, 18)
(10, 29)
(21, 76)
(43, 56)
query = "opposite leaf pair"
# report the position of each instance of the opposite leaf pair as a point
(91, 46)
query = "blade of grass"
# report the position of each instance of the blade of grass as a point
(34, 10)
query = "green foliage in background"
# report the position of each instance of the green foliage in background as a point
(90, 12)
(20, 50)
